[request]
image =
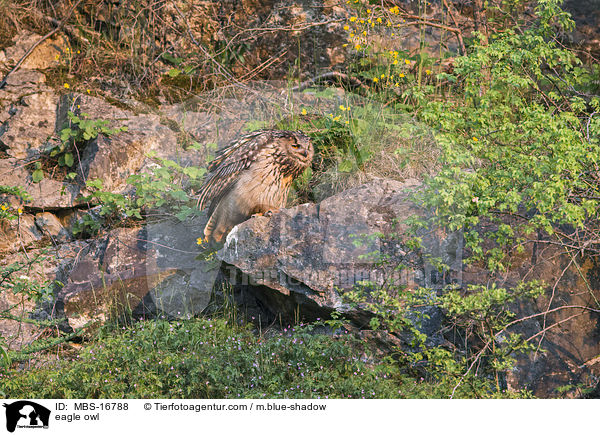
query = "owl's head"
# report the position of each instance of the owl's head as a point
(297, 146)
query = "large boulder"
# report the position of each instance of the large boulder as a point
(48, 194)
(307, 257)
(141, 272)
(45, 55)
(32, 122)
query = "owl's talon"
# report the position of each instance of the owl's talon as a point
(267, 213)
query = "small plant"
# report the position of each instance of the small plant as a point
(7, 211)
(73, 137)
(18, 280)
(165, 190)
(87, 226)
(80, 130)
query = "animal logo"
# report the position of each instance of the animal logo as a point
(25, 413)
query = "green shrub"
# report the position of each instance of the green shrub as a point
(515, 121)
(207, 358)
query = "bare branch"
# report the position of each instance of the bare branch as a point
(42, 39)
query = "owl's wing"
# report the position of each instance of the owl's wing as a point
(225, 168)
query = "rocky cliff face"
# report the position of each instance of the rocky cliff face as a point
(299, 262)
(124, 264)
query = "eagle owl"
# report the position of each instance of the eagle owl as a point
(252, 176)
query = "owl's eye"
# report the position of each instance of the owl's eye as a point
(295, 145)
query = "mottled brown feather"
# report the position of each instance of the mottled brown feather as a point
(252, 175)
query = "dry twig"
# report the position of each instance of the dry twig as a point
(42, 39)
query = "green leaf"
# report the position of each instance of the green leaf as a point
(345, 166)
(95, 184)
(174, 72)
(174, 60)
(5, 357)
(65, 134)
(184, 214)
(178, 194)
(37, 175)
(69, 160)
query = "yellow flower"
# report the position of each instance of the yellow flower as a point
(200, 241)
(78, 52)
(365, 32)
(369, 21)
(3, 207)
(304, 112)
(353, 19)
(395, 62)
(368, 11)
(357, 46)
(347, 122)
(362, 21)
(346, 27)
(57, 57)
(20, 210)
(379, 20)
(375, 79)
(475, 139)
(406, 61)
(428, 72)
(66, 85)
(78, 106)
(337, 118)
(344, 45)
(88, 91)
(382, 76)
(401, 75)
(342, 108)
